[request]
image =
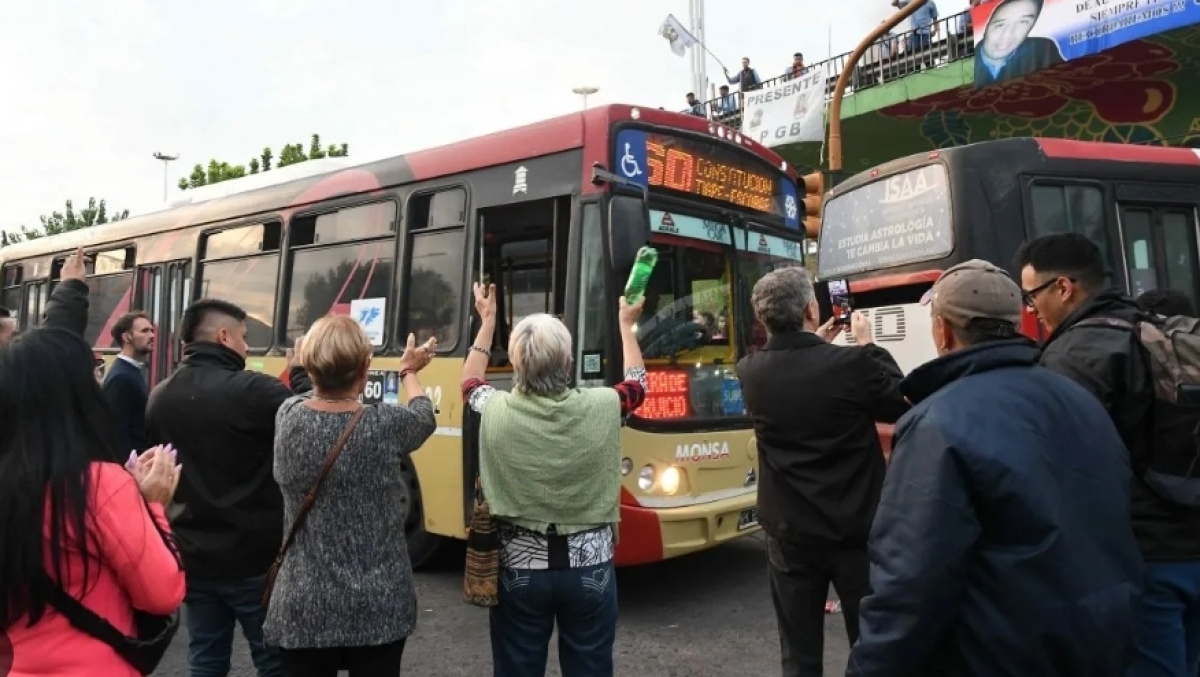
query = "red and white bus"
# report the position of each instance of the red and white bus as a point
(891, 230)
(553, 213)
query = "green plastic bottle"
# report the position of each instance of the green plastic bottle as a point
(639, 277)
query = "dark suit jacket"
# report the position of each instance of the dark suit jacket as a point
(814, 406)
(127, 392)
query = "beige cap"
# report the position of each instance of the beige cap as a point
(974, 291)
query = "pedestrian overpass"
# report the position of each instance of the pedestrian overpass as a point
(1142, 91)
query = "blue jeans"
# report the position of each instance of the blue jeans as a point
(1168, 641)
(584, 603)
(211, 609)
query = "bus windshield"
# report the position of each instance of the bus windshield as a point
(904, 218)
(690, 322)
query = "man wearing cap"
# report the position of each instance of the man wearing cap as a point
(1002, 543)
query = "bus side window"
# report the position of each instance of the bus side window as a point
(1139, 251)
(434, 286)
(1071, 208)
(342, 264)
(10, 297)
(1160, 249)
(241, 265)
(36, 296)
(110, 278)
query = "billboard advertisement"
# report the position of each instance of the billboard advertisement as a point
(1016, 37)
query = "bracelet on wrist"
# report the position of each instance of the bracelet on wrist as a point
(407, 372)
(481, 350)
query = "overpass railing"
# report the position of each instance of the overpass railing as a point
(892, 57)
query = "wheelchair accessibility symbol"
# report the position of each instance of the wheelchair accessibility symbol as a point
(629, 164)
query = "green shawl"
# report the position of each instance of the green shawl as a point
(552, 460)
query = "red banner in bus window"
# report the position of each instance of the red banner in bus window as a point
(666, 394)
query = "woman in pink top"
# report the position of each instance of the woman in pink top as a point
(70, 509)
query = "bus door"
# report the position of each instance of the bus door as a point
(522, 249)
(163, 292)
(1160, 248)
(36, 295)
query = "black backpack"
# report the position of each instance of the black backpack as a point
(1172, 346)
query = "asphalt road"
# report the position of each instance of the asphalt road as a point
(706, 615)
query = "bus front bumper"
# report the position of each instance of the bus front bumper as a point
(655, 534)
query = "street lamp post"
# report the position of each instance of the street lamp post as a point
(585, 92)
(166, 160)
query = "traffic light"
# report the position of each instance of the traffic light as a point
(814, 198)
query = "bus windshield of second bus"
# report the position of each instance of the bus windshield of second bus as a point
(891, 230)
(903, 219)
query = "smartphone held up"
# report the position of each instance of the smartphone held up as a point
(841, 302)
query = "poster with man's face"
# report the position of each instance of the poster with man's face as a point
(1016, 37)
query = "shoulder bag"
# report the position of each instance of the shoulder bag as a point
(307, 505)
(482, 573)
(144, 650)
(152, 633)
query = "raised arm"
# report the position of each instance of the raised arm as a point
(475, 388)
(413, 423)
(129, 533)
(68, 305)
(633, 389)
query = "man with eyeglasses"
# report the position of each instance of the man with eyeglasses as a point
(1002, 543)
(1063, 282)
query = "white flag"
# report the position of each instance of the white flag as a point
(678, 36)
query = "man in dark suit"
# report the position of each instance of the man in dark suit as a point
(125, 386)
(814, 406)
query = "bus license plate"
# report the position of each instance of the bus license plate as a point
(748, 518)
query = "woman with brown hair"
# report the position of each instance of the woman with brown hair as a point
(344, 597)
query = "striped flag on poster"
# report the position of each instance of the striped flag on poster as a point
(676, 34)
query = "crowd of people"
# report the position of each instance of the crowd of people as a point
(270, 505)
(1019, 526)
(1026, 522)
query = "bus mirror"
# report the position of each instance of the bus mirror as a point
(628, 229)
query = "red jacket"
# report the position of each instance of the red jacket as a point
(130, 568)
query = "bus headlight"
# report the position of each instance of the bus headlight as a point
(669, 481)
(646, 478)
(626, 467)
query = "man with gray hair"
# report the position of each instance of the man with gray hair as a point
(814, 406)
(1003, 543)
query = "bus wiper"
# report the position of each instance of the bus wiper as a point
(601, 175)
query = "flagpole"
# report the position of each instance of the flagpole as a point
(701, 62)
(695, 71)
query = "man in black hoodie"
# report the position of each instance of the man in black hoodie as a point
(1063, 281)
(228, 511)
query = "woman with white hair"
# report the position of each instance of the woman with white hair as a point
(549, 465)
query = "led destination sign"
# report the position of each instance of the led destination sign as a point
(688, 167)
(706, 169)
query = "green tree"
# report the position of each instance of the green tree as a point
(94, 214)
(290, 154)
